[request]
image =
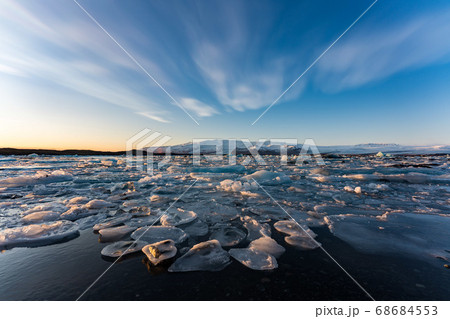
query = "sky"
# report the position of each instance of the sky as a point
(209, 69)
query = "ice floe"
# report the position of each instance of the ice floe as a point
(411, 177)
(229, 185)
(122, 248)
(267, 245)
(38, 178)
(302, 242)
(255, 229)
(227, 235)
(293, 228)
(300, 236)
(75, 213)
(160, 251)
(254, 259)
(213, 212)
(115, 233)
(38, 234)
(264, 177)
(78, 200)
(99, 204)
(90, 221)
(154, 234)
(142, 221)
(176, 217)
(112, 222)
(220, 169)
(418, 235)
(205, 256)
(196, 228)
(41, 216)
(54, 206)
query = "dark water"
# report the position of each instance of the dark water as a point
(63, 271)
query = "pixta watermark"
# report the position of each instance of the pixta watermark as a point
(148, 151)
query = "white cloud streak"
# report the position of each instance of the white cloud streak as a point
(72, 53)
(239, 91)
(225, 59)
(199, 108)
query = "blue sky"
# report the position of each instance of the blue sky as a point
(65, 84)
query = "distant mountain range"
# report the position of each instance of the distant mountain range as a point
(24, 151)
(243, 148)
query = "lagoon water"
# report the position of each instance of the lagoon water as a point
(384, 219)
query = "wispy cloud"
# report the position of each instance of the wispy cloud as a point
(199, 108)
(232, 57)
(238, 60)
(73, 53)
(153, 117)
(239, 90)
(373, 53)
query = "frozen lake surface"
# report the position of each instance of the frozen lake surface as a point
(236, 232)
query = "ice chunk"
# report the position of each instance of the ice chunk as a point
(197, 228)
(42, 190)
(90, 221)
(38, 178)
(292, 228)
(115, 233)
(267, 245)
(112, 222)
(142, 221)
(133, 202)
(205, 256)
(154, 234)
(418, 235)
(411, 177)
(348, 189)
(264, 177)
(320, 171)
(268, 211)
(254, 259)
(39, 217)
(228, 236)
(53, 206)
(229, 185)
(416, 178)
(6, 204)
(78, 200)
(302, 242)
(122, 248)
(255, 229)
(250, 194)
(108, 162)
(213, 212)
(176, 217)
(338, 210)
(142, 211)
(75, 213)
(220, 169)
(99, 204)
(160, 251)
(378, 187)
(34, 235)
